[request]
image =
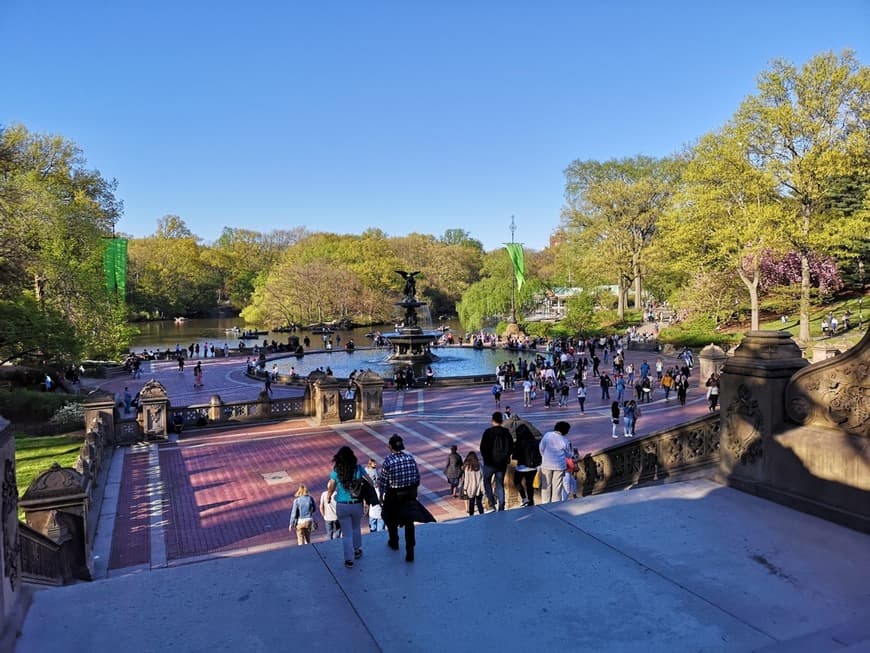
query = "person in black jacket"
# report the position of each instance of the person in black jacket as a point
(528, 458)
(496, 447)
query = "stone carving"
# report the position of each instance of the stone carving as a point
(152, 390)
(834, 393)
(11, 547)
(56, 482)
(744, 423)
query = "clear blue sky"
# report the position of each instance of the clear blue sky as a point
(407, 116)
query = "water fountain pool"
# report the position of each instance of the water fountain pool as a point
(452, 361)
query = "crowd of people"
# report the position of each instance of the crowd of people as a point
(386, 499)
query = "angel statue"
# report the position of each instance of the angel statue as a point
(410, 283)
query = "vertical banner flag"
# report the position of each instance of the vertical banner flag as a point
(515, 251)
(115, 265)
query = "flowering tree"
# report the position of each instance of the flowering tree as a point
(786, 269)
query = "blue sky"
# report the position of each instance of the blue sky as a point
(407, 116)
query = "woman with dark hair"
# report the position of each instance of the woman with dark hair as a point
(528, 458)
(472, 483)
(350, 510)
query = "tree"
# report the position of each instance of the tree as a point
(723, 218)
(807, 128)
(611, 213)
(54, 214)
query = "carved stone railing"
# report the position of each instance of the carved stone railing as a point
(662, 455)
(40, 557)
(686, 449)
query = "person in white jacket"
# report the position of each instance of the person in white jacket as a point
(555, 451)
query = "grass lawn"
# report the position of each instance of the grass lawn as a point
(34, 455)
(843, 340)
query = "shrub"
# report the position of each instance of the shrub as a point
(69, 417)
(30, 406)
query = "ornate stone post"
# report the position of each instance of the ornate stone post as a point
(154, 410)
(752, 388)
(215, 409)
(712, 359)
(327, 396)
(100, 409)
(370, 397)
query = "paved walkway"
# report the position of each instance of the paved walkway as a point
(682, 567)
(225, 490)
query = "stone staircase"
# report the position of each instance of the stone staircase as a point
(689, 566)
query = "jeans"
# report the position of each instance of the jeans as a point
(333, 529)
(350, 517)
(376, 525)
(551, 484)
(526, 478)
(475, 501)
(488, 473)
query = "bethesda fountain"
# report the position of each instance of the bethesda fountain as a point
(409, 341)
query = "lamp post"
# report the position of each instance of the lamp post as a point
(861, 296)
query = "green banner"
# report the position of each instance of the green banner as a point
(515, 251)
(115, 265)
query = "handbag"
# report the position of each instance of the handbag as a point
(570, 467)
(361, 489)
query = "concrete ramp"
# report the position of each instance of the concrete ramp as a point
(687, 566)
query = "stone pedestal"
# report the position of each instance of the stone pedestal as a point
(752, 387)
(327, 396)
(215, 409)
(56, 505)
(370, 397)
(712, 358)
(100, 409)
(154, 411)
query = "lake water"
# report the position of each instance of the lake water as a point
(453, 361)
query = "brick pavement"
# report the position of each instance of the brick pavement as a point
(213, 497)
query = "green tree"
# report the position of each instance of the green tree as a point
(611, 212)
(806, 128)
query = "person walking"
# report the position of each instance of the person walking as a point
(581, 396)
(713, 391)
(329, 510)
(682, 384)
(496, 394)
(628, 408)
(614, 418)
(197, 375)
(349, 510)
(302, 515)
(605, 382)
(398, 486)
(496, 447)
(555, 450)
(472, 483)
(528, 458)
(453, 470)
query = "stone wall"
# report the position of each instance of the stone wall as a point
(799, 434)
(13, 598)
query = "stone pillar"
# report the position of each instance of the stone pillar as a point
(369, 397)
(100, 409)
(752, 387)
(215, 409)
(12, 602)
(327, 396)
(56, 505)
(154, 410)
(712, 358)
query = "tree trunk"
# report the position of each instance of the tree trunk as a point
(752, 287)
(635, 270)
(805, 298)
(620, 299)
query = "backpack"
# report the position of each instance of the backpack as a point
(502, 447)
(534, 455)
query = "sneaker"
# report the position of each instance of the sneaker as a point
(524, 503)
(393, 545)
(348, 563)
(615, 437)
(357, 554)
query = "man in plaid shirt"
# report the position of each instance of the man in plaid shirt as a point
(398, 485)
